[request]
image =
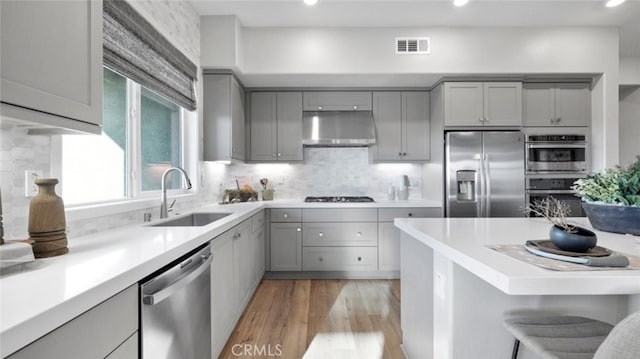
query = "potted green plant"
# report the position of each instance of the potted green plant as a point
(562, 234)
(611, 198)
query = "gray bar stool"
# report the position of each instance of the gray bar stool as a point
(571, 337)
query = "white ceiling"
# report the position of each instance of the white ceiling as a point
(421, 13)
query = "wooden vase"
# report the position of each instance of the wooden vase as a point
(47, 224)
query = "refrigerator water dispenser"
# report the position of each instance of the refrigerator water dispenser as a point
(466, 185)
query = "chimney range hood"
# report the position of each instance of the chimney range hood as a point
(338, 129)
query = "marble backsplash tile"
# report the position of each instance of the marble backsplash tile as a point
(325, 171)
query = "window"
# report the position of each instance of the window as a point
(143, 133)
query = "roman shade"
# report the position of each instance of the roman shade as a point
(134, 48)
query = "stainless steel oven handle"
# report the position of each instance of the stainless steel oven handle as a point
(159, 296)
(557, 145)
(550, 191)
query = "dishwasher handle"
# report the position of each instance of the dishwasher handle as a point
(159, 296)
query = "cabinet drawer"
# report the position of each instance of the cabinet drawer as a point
(339, 258)
(340, 214)
(340, 234)
(388, 214)
(337, 101)
(286, 215)
(257, 221)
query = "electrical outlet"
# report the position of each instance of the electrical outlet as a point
(30, 188)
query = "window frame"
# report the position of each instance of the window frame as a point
(135, 198)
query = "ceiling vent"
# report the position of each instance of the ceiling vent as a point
(412, 45)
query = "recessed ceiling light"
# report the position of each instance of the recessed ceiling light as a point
(310, 2)
(464, 2)
(613, 3)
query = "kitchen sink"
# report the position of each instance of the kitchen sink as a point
(192, 220)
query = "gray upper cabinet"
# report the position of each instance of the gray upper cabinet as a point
(402, 126)
(561, 104)
(483, 104)
(337, 101)
(276, 126)
(52, 63)
(224, 130)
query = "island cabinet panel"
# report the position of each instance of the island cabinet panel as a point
(480, 104)
(337, 101)
(402, 126)
(51, 69)
(558, 104)
(94, 334)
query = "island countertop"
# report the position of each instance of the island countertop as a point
(464, 241)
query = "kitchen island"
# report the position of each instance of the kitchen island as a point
(455, 289)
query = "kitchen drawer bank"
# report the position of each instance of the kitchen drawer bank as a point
(46, 295)
(338, 242)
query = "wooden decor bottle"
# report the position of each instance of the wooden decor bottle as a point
(47, 224)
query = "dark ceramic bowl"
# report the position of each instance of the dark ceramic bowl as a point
(612, 218)
(581, 241)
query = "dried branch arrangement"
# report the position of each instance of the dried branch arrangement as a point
(554, 210)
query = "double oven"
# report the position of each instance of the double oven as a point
(554, 159)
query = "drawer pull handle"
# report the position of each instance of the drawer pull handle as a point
(285, 215)
(321, 234)
(359, 234)
(359, 259)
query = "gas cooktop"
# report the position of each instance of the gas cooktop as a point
(339, 199)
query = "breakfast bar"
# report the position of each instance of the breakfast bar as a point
(456, 288)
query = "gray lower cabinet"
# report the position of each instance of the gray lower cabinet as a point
(482, 104)
(234, 277)
(339, 258)
(389, 235)
(286, 239)
(559, 104)
(51, 69)
(402, 126)
(223, 124)
(276, 126)
(109, 329)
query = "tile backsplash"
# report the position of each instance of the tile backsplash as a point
(324, 172)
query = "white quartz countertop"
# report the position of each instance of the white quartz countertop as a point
(464, 241)
(47, 293)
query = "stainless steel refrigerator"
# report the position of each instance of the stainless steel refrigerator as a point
(484, 174)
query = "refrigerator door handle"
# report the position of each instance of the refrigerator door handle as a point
(487, 184)
(480, 186)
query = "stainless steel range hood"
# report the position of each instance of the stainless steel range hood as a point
(338, 129)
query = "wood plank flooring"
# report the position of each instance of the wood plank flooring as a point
(320, 319)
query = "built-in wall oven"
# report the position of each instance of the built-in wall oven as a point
(554, 152)
(558, 186)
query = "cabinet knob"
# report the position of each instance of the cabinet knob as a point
(359, 234)
(319, 107)
(480, 120)
(285, 215)
(298, 229)
(320, 259)
(399, 153)
(355, 107)
(559, 119)
(410, 214)
(320, 234)
(404, 153)
(279, 154)
(359, 259)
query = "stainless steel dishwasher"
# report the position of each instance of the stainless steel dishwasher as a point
(176, 309)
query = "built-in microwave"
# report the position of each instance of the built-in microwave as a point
(555, 152)
(539, 187)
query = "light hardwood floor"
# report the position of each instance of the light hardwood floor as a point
(323, 319)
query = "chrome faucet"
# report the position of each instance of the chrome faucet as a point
(164, 211)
